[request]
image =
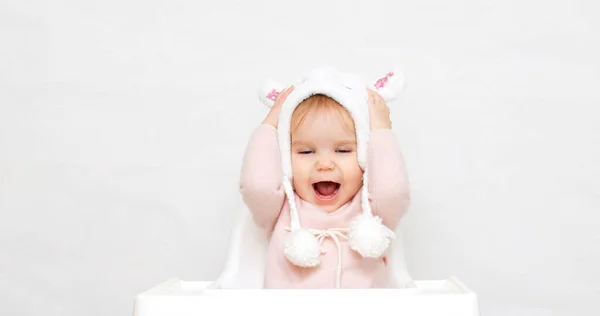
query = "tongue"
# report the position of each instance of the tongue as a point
(326, 188)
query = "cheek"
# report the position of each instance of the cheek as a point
(348, 162)
(352, 171)
(356, 175)
(300, 168)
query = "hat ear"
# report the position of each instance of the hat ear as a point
(269, 91)
(389, 86)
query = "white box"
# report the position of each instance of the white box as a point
(183, 298)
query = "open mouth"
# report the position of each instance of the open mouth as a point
(326, 190)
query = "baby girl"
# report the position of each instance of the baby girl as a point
(306, 166)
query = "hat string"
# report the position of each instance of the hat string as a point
(366, 205)
(289, 191)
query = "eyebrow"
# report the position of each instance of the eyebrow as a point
(345, 142)
(349, 142)
(300, 142)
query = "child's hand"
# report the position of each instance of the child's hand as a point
(379, 112)
(273, 116)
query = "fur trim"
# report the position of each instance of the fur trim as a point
(353, 98)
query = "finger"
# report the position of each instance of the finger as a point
(375, 96)
(289, 90)
(283, 94)
(371, 95)
(371, 92)
(378, 98)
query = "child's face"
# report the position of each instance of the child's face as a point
(324, 160)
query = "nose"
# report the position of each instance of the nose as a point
(325, 164)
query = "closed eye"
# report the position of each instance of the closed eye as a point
(305, 152)
(344, 150)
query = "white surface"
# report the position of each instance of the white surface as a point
(116, 170)
(182, 298)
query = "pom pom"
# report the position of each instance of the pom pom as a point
(369, 237)
(302, 248)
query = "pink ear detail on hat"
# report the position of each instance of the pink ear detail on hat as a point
(382, 82)
(273, 95)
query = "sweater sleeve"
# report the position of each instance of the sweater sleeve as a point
(389, 188)
(260, 180)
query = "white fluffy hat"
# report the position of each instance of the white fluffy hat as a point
(367, 235)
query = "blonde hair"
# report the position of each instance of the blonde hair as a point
(317, 103)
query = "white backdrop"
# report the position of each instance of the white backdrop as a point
(123, 124)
